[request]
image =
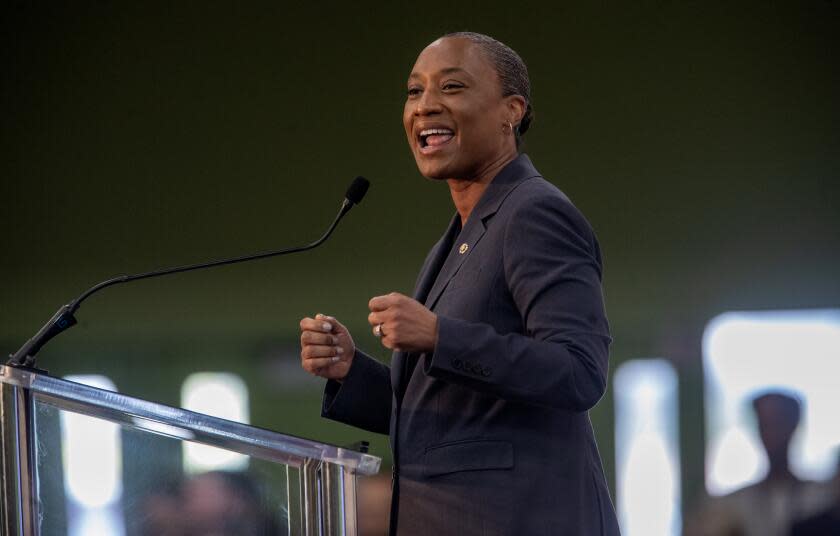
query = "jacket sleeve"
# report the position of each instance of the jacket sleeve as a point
(552, 269)
(364, 398)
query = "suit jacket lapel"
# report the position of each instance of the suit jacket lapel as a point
(434, 264)
(447, 257)
(457, 254)
(518, 170)
(403, 363)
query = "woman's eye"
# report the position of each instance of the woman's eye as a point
(414, 91)
(449, 86)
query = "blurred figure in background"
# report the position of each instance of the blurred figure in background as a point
(827, 521)
(216, 503)
(224, 503)
(770, 506)
(159, 511)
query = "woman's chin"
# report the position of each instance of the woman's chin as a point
(434, 169)
(435, 176)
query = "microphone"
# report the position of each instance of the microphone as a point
(64, 319)
(357, 190)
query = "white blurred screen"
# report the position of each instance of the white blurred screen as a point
(647, 451)
(746, 353)
(223, 395)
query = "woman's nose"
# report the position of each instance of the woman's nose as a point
(429, 103)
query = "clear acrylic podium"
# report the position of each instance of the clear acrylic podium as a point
(306, 487)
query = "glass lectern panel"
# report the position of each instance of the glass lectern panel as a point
(97, 477)
(77, 460)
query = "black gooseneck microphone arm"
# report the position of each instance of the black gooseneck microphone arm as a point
(63, 319)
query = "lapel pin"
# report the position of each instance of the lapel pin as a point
(463, 249)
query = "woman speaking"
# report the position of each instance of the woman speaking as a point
(503, 348)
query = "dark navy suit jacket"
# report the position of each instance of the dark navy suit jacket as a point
(490, 431)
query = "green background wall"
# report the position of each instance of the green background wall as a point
(701, 142)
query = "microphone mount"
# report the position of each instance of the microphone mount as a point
(65, 318)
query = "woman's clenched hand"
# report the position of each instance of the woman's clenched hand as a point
(404, 324)
(326, 347)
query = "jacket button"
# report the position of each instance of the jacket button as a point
(486, 371)
(457, 364)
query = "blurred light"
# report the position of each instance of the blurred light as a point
(746, 353)
(219, 394)
(92, 458)
(98, 522)
(92, 453)
(647, 464)
(738, 458)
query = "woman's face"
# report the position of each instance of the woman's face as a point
(455, 114)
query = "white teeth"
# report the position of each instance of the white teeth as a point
(432, 131)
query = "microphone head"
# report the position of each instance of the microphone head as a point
(357, 190)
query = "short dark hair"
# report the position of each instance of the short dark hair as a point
(512, 71)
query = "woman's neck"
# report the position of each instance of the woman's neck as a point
(467, 192)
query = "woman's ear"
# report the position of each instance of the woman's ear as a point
(516, 107)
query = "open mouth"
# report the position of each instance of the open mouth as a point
(431, 138)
